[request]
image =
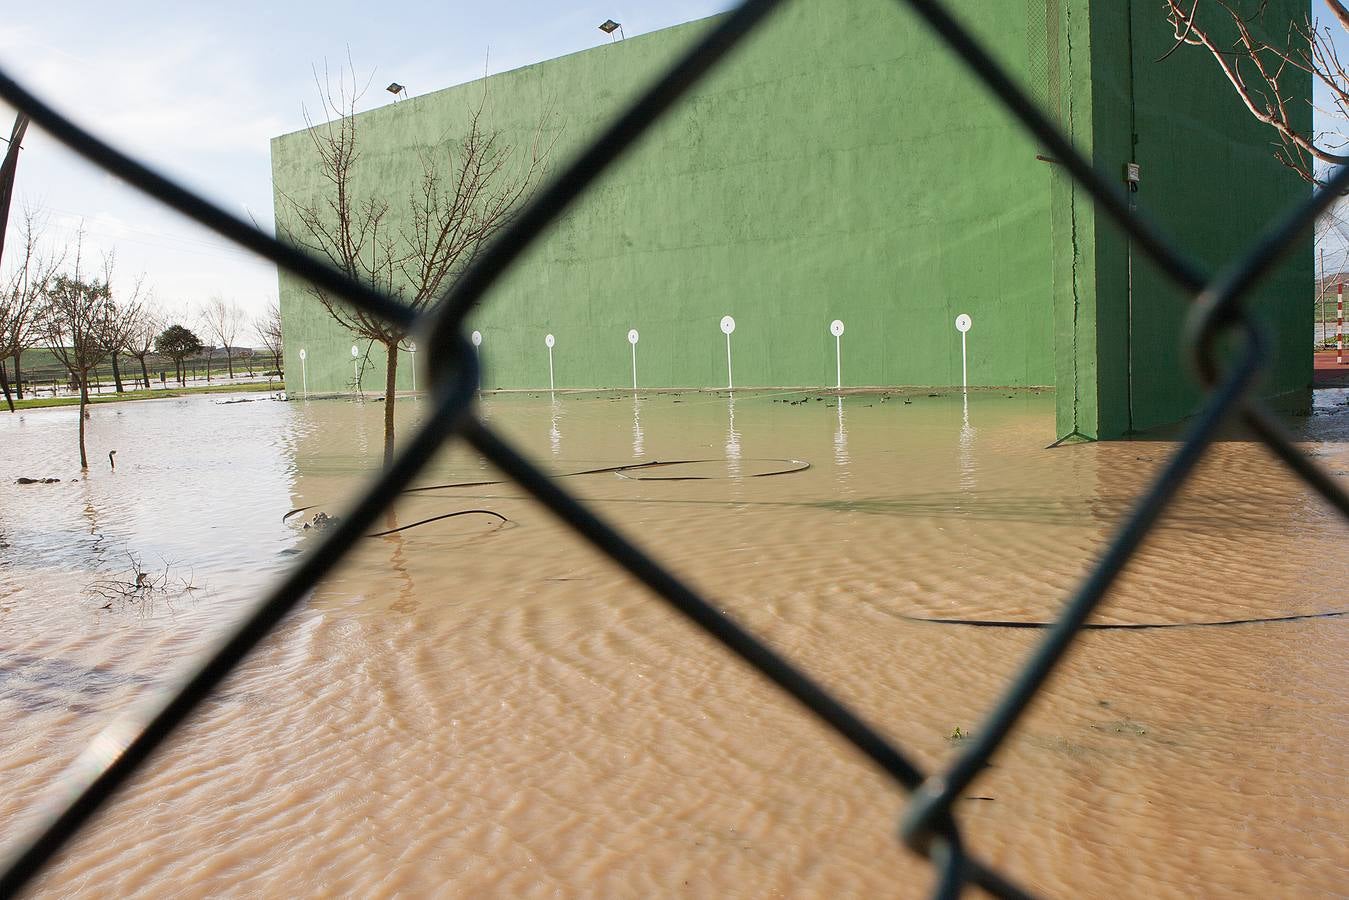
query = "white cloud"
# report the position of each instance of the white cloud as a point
(161, 93)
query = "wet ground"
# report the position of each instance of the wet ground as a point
(474, 706)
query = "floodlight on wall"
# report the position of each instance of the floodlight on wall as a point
(610, 26)
(395, 88)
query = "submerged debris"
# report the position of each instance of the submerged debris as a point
(322, 520)
(139, 582)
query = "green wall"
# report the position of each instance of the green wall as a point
(842, 165)
(839, 166)
(1208, 178)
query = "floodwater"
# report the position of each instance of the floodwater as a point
(475, 708)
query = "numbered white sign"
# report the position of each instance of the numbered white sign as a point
(303, 355)
(727, 326)
(355, 351)
(549, 342)
(632, 339)
(836, 329)
(963, 324)
(477, 338)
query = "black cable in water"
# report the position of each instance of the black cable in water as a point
(462, 512)
(793, 466)
(1128, 626)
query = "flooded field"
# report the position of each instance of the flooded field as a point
(475, 707)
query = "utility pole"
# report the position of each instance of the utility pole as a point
(7, 170)
(1321, 301)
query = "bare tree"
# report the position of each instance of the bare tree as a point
(71, 323)
(141, 337)
(469, 188)
(203, 328)
(1259, 64)
(121, 318)
(21, 292)
(268, 328)
(223, 320)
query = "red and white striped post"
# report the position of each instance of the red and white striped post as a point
(1339, 324)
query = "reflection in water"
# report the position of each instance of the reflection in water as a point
(554, 433)
(363, 435)
(453, 703)
(398, 565)
(841, 440)
(968, 482)
(732, 439)
(638, 445)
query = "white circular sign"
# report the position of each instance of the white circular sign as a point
(963, 323)
(548, 341)
(836, 327)
(632, 335)
(354, 351)
(477, 338)
(727, 324)
(412, 346)
(303, 354)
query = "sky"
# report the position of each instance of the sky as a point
(198, 90)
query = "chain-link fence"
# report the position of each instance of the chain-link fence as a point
(928, 825)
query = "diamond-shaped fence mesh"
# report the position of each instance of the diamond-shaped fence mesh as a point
(927, 825)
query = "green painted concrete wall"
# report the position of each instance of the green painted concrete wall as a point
(840, 165)
(1208, 178)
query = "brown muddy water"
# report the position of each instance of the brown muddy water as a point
(472, 709)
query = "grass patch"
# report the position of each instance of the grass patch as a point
(250, 387)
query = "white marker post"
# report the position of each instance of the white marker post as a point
(412, 348)
(356, 366)
(632, 339)
(728, 326)
(476, 339)
(304, 372)
(963, 323)
(548, 342)
(836, 329)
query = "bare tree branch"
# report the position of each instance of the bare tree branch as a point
(224, 320)
(72, 323)
(1256, 66)
(22, 291)
(470, 187)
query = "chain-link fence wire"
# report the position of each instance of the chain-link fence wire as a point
(927, 825)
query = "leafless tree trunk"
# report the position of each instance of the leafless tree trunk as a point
(141, 338)
(121, 318)
(72, 322)
(223, 320)
(470, 187)
(268, 328)
(1257, 63)
(23, 291)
